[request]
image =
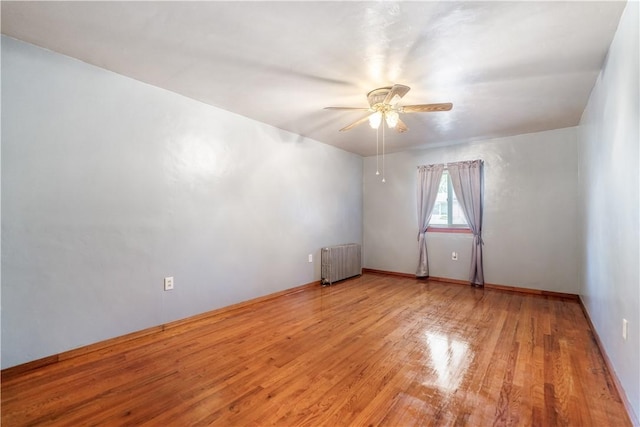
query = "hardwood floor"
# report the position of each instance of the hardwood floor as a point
(376, 350)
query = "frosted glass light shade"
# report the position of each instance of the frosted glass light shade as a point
(375, 119)
(392, 118)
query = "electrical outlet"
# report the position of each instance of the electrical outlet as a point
(454, 256)
(625, 329)
(310, 257)
(168, 283)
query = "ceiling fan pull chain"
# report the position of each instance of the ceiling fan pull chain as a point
(383, 180)
(377, 155)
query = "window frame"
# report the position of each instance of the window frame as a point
(449, 227)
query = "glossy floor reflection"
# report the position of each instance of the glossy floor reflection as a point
(449, 360)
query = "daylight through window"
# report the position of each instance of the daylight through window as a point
(447, 212)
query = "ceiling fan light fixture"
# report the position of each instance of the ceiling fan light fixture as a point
(392, 118)
(383, 104)
(375, 119)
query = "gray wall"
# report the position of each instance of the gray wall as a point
(530, 212)
(109, 185)
(609, 178)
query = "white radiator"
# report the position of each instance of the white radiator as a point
(340, 262)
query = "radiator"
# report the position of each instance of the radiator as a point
(340, 262)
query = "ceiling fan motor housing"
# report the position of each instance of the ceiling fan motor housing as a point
(377, 96)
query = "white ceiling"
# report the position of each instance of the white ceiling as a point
(508, 67)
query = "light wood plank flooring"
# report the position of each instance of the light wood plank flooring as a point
(375, 350)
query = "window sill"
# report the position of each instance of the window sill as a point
(449, 230)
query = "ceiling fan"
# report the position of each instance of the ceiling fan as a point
(383, 104)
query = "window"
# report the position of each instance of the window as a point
(447, 212)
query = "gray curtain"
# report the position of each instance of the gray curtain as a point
(428, 182)
(467, 182)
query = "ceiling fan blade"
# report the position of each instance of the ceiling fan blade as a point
(424, 108)
(347, 108)
(401, 127)
(356, 123)
(396, 93)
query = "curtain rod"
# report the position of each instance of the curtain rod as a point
(450, 163)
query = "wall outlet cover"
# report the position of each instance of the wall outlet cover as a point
(168, 283)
